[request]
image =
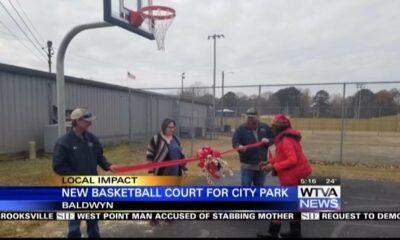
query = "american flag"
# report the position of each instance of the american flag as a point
(131, 76)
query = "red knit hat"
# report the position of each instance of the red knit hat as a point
(281, 120)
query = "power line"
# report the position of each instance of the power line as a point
(97, 60)
(12, 34)
(9, 14)
(33, 26)
(50, 50)
(23, 21)
(172, 74)
(19, 40)
(114, 64)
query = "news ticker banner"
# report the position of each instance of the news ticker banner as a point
(116, 181)
(154, 181)
(82, 193)
(201, 215)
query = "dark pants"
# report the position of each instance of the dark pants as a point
(252, 177)
(275, 227)
(74, 229)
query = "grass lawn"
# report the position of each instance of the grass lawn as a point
(36, 173)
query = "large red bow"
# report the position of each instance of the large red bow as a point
(206, 156)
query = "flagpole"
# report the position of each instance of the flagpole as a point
(129, 111)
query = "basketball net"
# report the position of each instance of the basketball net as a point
(158, 19)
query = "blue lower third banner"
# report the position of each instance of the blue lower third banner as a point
(271, 198)
(316, 204)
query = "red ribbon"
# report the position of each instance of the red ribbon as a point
(144, 166)
(201, 155)
(253, 145)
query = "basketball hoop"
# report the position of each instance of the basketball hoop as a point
(159, 19)
(135, 19)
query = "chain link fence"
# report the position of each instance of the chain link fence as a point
(339, 122)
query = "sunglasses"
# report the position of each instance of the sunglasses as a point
(87, 115)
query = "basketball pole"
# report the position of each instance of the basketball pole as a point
(60, 78)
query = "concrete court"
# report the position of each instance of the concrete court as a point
(357, 195)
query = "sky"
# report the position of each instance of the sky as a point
(266, 42)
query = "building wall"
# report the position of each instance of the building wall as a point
(26, 96)
(23, 110)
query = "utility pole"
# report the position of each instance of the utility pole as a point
(183, 77)
(50, 53)
(222, 99)
(214, 37)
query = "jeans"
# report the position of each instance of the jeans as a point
(252, 177)
(74, 229)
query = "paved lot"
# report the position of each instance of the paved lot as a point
(357, 195)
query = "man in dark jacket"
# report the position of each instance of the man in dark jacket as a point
(251, 132)
(78, 153)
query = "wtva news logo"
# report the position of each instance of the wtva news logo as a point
(319, 198)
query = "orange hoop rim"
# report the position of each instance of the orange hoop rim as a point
(169, 10)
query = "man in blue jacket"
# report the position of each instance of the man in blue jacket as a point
(78, 153)
(252, 131)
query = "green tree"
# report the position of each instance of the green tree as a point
(289, 100)
(363, 104)
(272, 105)
(230, 100)
(336, 105)
(385, 102)
(320, 104)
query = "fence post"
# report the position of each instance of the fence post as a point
(191, 126)
(158, 113)
(398, 120)
(343, 122)
(237, 115)
(259, 100)
(147, 119)
(130, 117)
(151, 116)
(380, 121)
(32, 150)
(179, 119)
(313, 123)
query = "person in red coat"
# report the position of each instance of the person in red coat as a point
(289, 164)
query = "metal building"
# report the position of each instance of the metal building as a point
(28, 104)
